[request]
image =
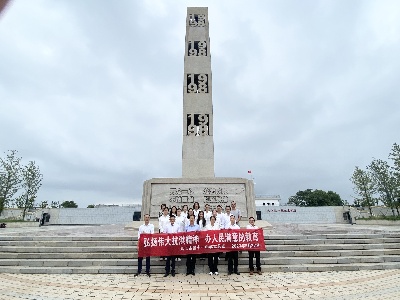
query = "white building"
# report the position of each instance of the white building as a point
(268, 200)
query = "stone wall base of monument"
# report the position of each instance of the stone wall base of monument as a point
(186, 191)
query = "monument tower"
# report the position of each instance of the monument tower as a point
(198, 182)
(198, 144)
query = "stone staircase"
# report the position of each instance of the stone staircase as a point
(285, 253)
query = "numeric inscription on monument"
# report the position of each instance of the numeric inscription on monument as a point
(197, 20)
(197, 48)
(198, 124)
(197, 83)
(181, 195)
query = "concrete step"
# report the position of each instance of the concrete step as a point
(68, 243)
(44, 249)
(181, 269)
(133, 254)
(103, 254)
(67, 238)
(85, 262)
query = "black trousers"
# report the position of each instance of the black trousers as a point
(170, 264)
(233, 261)
(258, 262)
(213, 262)
(190, 263)
(140, 262)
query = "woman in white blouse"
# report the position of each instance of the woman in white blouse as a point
(213, 257)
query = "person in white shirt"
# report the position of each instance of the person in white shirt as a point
(254, 253)
(201, 221)
(233, 256)
(207, 213)
(180, 220)
(190, 213)
(196, 209)
(225, 218)
(213, 257)
(220, 213)
(236, 212)
(160, 213)
(215, 214)
(171, 227)
(185, 211)
(162, 221)
(144, 228)
(191, 258)
(173, 211)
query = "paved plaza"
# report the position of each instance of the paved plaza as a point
(375, 284)
(379, 284)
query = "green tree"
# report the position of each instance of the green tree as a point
(90, 206)
(43, 204)
(385, 183)
(55, 204)
(10, 178)
(69, 204)
(364, 188)
(395, 157)
(31, 183)
(311, 197)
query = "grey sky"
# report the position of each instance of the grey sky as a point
(303, 92)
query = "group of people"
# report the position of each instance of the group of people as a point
(176, 219)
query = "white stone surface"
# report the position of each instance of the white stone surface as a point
(295, 214)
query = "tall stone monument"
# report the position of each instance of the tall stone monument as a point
(198, 182)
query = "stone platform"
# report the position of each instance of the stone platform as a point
(373, 285)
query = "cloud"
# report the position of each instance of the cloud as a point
(302, 92)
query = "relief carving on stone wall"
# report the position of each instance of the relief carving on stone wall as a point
(210, 195)
(178, 195)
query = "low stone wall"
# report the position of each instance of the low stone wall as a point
(378, 222)
(78, 216)
(96, 216)
(295, 214)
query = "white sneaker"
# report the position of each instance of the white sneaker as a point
(210, 273)
(216, 273)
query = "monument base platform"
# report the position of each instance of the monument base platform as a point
(186, 191)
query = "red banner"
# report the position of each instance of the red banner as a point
(183, 243)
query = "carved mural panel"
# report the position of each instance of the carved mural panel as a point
(214, 194)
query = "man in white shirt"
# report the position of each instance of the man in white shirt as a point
(144, 228)
(163, 220)
(213, 257)
(254, 253)
(171, 227)
(191, 258)
(233, 256)
(225, 218)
